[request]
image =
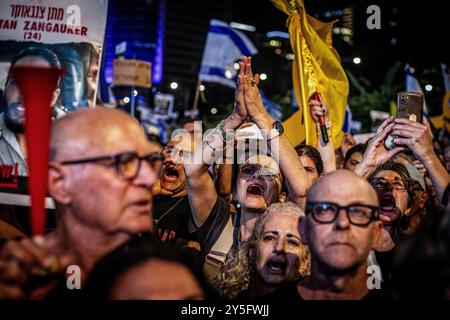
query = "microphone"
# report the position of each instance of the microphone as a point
(323, 127)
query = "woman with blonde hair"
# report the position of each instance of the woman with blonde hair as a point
(270, 258)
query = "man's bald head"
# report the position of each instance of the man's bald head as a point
(96, 193)
(88, 132)
(339, 246)
(343, 186)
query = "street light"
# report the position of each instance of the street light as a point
(356, 60)
(263, 76)
(428, 87)
(174, 85)
(228, 74)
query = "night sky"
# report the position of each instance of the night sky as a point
(421, 30)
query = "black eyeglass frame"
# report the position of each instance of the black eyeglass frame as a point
(311, 204)
(117, 161)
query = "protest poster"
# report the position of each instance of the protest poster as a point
(73, 30)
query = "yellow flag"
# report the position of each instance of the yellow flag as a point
(437, 121)
(446, 110)
(443, 120)
(393, 107)
(316, 67)
(294, 128)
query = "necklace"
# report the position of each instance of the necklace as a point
(168, 210)
(239, 239)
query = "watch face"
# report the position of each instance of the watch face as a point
(279, 126)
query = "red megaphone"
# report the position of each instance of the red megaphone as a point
(37, 86)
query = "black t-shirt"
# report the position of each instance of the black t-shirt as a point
(286, 293)
(172, 217)
(290, 293)
(385, 261)
(210, 231)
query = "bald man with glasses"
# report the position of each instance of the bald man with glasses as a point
(101, 173)
(341, 226)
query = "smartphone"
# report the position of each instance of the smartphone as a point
(409, 106)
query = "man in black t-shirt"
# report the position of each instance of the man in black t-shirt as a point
(172, 211)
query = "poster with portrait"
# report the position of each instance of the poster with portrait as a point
(72, 33)
(73, 30)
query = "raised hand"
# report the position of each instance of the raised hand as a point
(318, 109)
(376, 153)
(416, 136)
(240, 111)
(384, 124)
(252, 98)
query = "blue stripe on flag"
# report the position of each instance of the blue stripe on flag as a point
(212, 71)
(234, 37)
(346, 126)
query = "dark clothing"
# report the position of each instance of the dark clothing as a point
(172, 217)
(290, 293)
(385, 260)
(286, 293)
(62, 292)
(421, 268)
(445, 196)
(210, 231)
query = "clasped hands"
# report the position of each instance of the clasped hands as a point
(248, 102)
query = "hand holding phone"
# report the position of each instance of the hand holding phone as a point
(409, 106)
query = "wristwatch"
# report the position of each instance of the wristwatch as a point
(277, 125)
(277, 130)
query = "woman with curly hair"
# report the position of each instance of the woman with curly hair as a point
(270, 258)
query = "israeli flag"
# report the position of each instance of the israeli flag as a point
(413, 85)
(347, 126)
(224, 45)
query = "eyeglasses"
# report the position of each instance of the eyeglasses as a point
(382, 184)
(248, 170)
(127, 164)
(327, 212)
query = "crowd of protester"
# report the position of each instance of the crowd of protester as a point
(220, 219)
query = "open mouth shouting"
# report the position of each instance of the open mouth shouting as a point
(276, 266)
(255, 190)
(171, 173)
(388, 208)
